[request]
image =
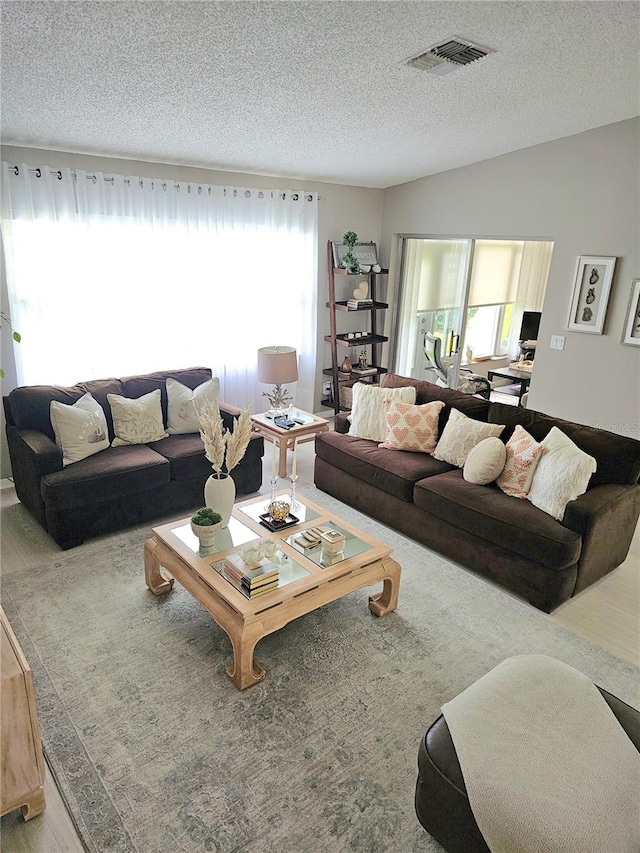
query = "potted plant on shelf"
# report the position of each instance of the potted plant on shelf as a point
(224, 449)
(205, 523)
(351, 263)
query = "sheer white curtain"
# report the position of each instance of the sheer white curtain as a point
(111, 275)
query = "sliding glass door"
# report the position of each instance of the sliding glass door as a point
(433, 286)
(470, 294)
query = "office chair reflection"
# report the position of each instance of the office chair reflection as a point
(468, 381)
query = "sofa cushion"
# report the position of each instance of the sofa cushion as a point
(113, 473)
(562, 475)
(426, 392)
(392, 471)
(485, 461)
(137, 421)
(368, 414)
(30, 404)
(522, 458)
(460, 436)
(136, 386)
(617, 456)
(80, 430)
(186, 456)
(183, 404)
(489, 514)
(413, 428)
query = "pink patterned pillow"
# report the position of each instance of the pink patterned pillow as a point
(413, 428)
(523, 455)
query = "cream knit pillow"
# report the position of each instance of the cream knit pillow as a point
(460, 435)
(368, 415)
(485, 461)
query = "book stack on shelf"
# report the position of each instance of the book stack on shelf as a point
(253, 580)
(356, 304)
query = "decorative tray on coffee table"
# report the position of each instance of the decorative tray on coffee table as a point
(275, 526)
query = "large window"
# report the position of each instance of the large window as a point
(139, 283)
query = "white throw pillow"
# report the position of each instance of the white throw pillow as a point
(460, 436)
(368, 415)
(137, 421)
(562, 475)
(80, 429)
(485, 461)
(183, 404)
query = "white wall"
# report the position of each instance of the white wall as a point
(582, 192)
(341, 208)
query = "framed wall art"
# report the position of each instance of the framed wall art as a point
(590, 295)
(365, 253)
(632, 323)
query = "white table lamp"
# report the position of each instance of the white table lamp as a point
(277, 365)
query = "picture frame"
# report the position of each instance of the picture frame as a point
(590, 294)
(365, 253)
(631, 335)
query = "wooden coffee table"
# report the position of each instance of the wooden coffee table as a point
(306, 582)
(286, 438)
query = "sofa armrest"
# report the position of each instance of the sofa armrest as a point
(340, 422)
(606, 517)
(32, 455)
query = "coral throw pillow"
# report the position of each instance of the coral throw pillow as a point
(460, 435)
(413, 428)
(523, 455)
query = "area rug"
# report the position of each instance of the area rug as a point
(155, 750)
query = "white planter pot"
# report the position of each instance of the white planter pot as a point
(206, 534)
(219, 495)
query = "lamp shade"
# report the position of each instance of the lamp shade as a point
(277, 365)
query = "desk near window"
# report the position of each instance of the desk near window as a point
(521, 377)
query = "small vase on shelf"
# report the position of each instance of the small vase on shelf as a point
(346, 367)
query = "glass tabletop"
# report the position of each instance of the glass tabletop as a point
(289, 570)
(352, 546)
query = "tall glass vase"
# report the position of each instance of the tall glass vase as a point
(219, 495)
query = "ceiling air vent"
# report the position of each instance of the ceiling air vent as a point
(447, 56)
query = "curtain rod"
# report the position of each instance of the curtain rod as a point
(37, 171)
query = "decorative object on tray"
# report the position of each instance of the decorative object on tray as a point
(332, 541)
(278, 510)
(268, 522)
(205, 523)
(362, 360)
(224, 450)
(277, 365)
(590, 295)
(632, 324)
(308, 539)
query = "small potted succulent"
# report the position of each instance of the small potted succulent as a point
(205, 523)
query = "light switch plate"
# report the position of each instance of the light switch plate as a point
(557, 342)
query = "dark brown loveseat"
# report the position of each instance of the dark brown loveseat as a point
(120, 486)
(504, 538)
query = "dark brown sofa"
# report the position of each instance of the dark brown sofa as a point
(119, 486)
(504, 538)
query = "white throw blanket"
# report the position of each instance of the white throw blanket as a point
(547, 766)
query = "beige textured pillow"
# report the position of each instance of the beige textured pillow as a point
(367, 412)
(183, 404)
(137, 421)
(413, 428)
(460, 435)
(80, 429)
(562, 475)
(523, 455)
(485, 461)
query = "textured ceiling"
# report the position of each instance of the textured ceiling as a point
(312, 90)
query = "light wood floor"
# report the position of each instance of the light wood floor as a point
(608, 614)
